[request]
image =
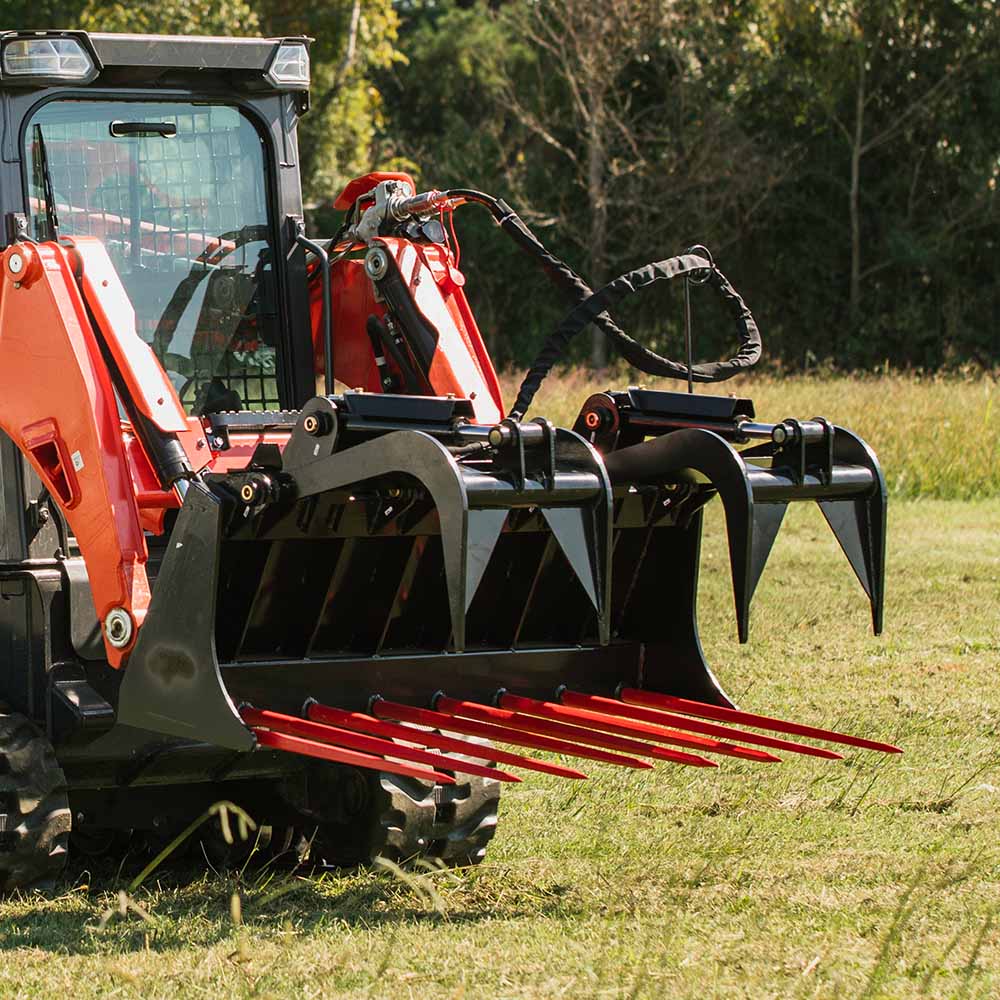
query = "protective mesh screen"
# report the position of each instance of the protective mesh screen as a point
(182, 210)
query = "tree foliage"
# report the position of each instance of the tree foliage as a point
(841, 158)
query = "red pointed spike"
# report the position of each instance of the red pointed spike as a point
(658, 718)
(648, 698)
(369, 724)
(573, 734)
(504, 734)
(290, 725)
(309, 748)
(579, 715)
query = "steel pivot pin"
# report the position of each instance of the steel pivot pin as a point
(118, 627)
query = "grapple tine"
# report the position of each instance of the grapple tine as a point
(324, 751)
(504, 734)
(658, 717)
(307, 729)
(362, 723)
(573, 734)
(652, 700)
(583, 715)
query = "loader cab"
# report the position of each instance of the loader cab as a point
(180, 154)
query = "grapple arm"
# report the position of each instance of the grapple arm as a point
(693, 439)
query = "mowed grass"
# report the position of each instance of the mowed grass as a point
(935, 436)
(870, 877)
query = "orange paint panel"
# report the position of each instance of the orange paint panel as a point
(60, 410)
(352, 302)
(457, 366)
(461, 364)
(194, 441)
(109, 304)
(241, 448)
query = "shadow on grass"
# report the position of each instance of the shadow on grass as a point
(189, 907)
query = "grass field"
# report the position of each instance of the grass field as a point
(873, 877)
(935, 436)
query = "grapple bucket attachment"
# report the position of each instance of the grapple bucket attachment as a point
(798, 460)
(392, 576)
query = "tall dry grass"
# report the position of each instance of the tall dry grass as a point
(935, 436)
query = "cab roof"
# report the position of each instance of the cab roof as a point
(139, 60)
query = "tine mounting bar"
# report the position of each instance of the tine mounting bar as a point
(580, 716)
(292, 726)
(504, 734)
(324, 751)
(633, 696)
(659, 717)
(559, 730)
(362, 723)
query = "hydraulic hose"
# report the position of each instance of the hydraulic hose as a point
(565, 278)
(597, 303)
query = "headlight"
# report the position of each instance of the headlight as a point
(290, 65)
(51, 58)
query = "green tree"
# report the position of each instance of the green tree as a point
(353, 39)
(171, 17)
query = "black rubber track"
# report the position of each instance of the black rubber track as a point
(34, 810)
(371, 814)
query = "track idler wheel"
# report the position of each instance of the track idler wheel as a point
(364, 815)
(34, 809)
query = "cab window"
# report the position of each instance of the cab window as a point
(177, 193)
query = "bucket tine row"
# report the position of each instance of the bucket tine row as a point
(543, 727)
(581, 725)
(659, 717)
(362, 723)
(337, 755)
(601, 721)
(502, 734)
(649, 699)
(308, 729)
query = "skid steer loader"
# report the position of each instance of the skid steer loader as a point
(350, 613)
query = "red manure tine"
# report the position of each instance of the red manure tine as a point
(653, 700)
(659, 717)
(559, 730)
(504, 734)
(581, 714)
(291, 725)
(362, 723)
(324, 751)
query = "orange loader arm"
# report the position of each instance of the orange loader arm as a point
(64, 318)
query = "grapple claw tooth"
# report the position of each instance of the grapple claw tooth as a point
(525, 723)
(320, 732)
(503, 734)
(660, 717)
(362, 723)
(651, 699)
(338, 755)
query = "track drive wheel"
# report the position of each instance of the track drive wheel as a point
(368, 814)
(34, 809)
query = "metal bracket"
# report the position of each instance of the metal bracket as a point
(172, 682)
